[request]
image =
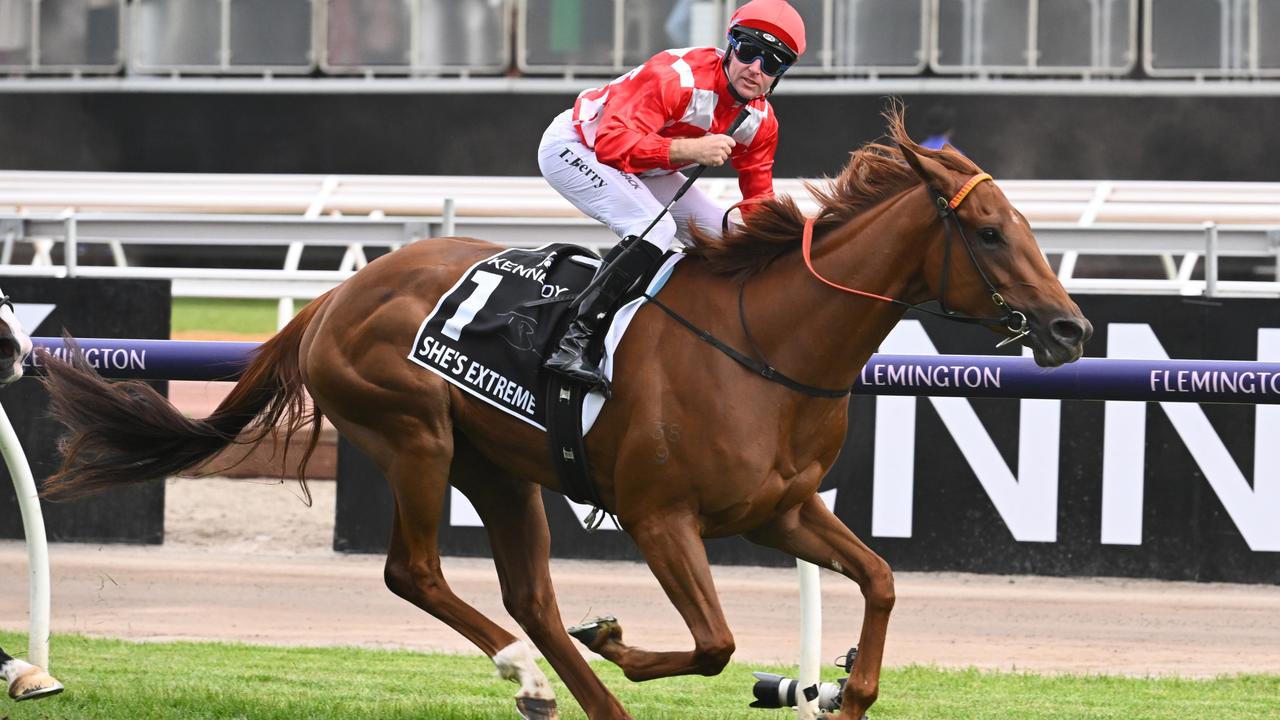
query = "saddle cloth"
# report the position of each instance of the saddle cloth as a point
(489, 333)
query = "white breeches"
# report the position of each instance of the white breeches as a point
(623, 201)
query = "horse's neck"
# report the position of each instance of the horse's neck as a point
(821, 335)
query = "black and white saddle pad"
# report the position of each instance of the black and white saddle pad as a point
(483, 335)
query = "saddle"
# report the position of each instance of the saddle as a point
(490, 334)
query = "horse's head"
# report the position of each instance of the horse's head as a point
(14, 343)
(985, 261)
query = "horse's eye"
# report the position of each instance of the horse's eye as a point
(990, 236)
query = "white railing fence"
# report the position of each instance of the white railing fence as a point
(1169, 237)
(37, 545)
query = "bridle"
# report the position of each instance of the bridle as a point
(1012, 320)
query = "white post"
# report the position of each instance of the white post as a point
(448, 218)
(37, 547)
(6, 254)
(71, 248)
(1210, 259)
(810, 634)
(117, 254)
(284, 306)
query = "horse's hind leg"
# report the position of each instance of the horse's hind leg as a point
(516, 521)
(811, 532)
(416, 465)
(675, 553)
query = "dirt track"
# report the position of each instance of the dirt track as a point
(247, 561)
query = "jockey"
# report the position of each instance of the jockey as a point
(617, 154)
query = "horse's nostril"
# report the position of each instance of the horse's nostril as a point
(1068, 331)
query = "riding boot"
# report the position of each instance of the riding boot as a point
(614, 280)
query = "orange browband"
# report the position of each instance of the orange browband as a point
(968, 187)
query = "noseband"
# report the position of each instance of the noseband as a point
(1011, 320)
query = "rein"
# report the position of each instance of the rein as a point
(1011, 320)
(763, 369)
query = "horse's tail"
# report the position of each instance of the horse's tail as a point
(121, 433)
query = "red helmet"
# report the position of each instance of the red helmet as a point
(775, 17)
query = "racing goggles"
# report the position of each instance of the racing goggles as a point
(749, 50)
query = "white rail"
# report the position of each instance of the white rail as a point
(1176, 224)
(1082, 202)
(37, 545)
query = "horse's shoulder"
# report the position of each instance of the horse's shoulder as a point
(698, 295)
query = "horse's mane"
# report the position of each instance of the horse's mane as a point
(875, 172)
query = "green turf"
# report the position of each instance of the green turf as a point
(114, 679)
(225, 315)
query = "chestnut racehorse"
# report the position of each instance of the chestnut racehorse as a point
(691, 446)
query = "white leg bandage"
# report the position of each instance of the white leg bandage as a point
(13, 668)
(515, 663)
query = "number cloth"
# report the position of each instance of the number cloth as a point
(489, 333)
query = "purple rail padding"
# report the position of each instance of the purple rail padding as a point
(991, 376)
(152, 359)
(1202, 381)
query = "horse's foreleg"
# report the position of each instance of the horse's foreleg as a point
(516, 521)
(812, 532)
(678, 559)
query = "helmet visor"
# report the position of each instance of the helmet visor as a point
(748, 50)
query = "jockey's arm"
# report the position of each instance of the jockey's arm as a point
(628, 137)
(709, 150)
(754, 164)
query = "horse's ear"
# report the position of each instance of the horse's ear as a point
(932, 172)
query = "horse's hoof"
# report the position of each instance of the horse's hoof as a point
(537, 708)
(33, 683)
(591, 632)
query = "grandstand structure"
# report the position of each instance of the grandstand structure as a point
(303, 233)
(117, 43)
